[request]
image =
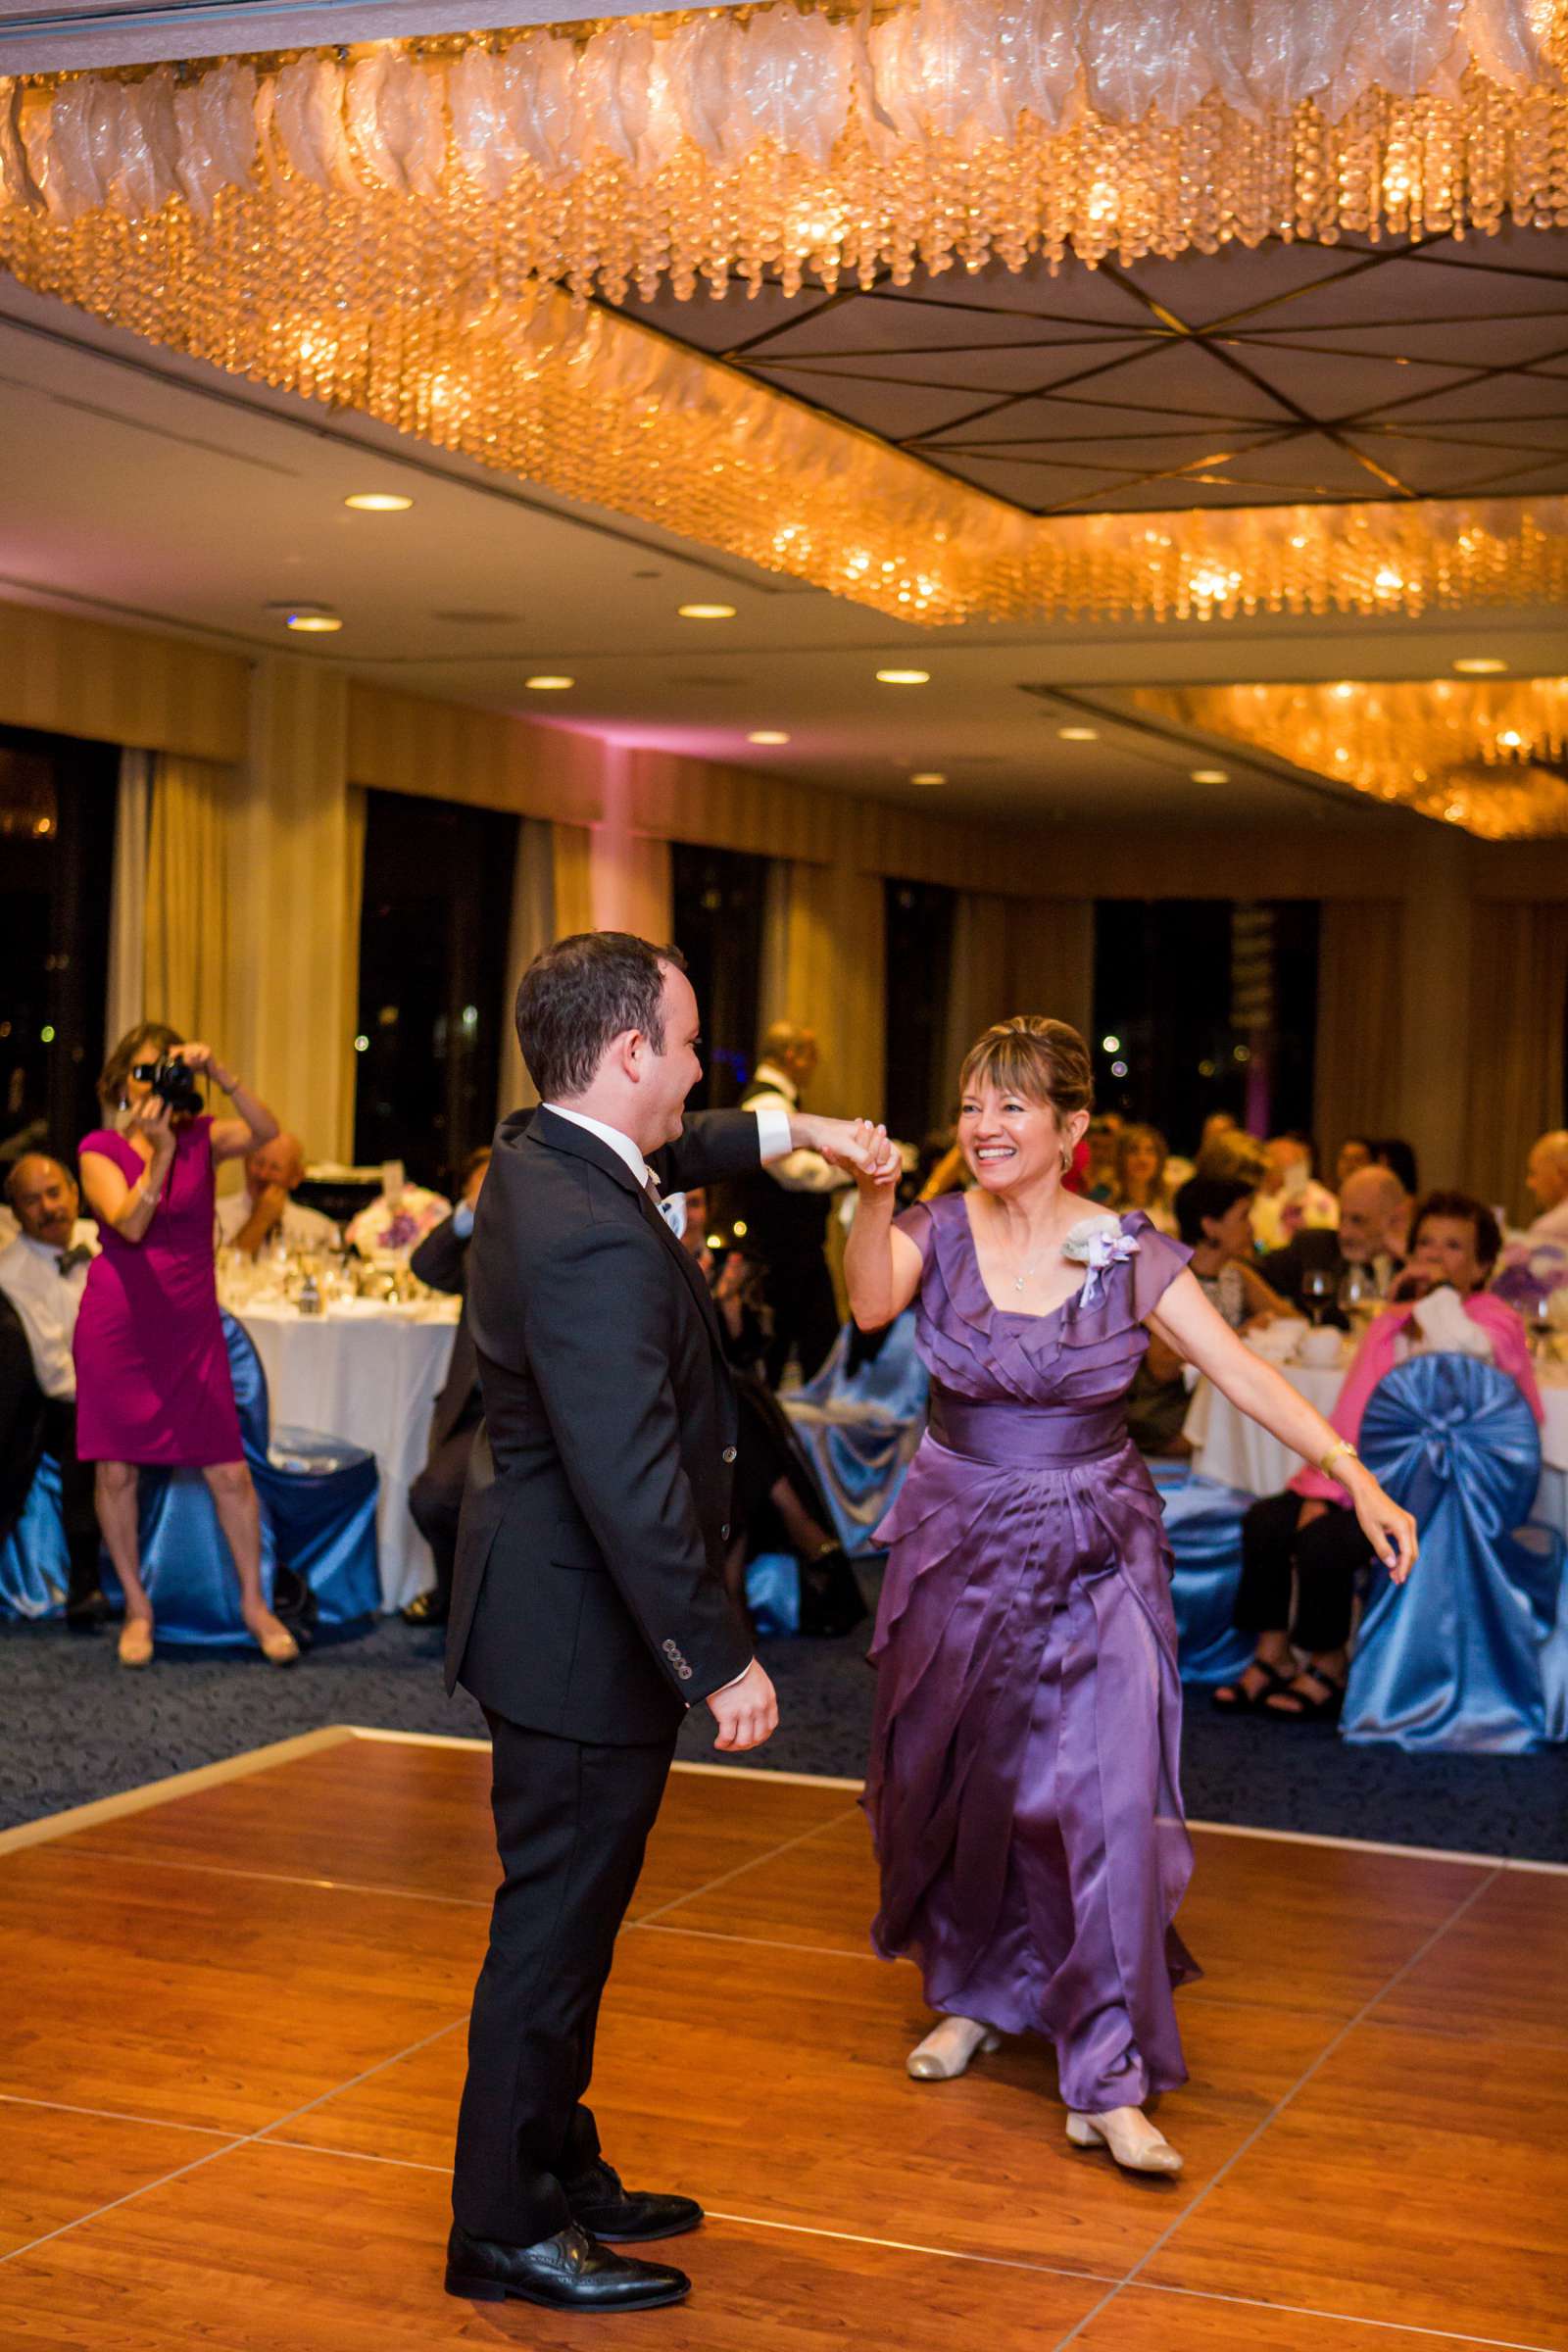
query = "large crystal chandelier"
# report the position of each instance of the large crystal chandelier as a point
(390, 230)
(1487, 757)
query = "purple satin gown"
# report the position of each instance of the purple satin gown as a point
(1023, 1785)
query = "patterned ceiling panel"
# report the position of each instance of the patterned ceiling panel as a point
(1294, 374)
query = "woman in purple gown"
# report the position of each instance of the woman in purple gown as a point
(153, 1381)
(1023, 1786)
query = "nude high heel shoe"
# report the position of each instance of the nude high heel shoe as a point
(136, 1641)
(1130, 2136)
(948, 2048)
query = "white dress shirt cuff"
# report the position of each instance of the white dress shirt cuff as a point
(772, 1130)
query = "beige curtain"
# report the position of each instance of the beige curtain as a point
(1051, 959)
(1360, 1015)
(1514, 1082)
(348, 980)
(570, 883)
(532, 929)
(188, 968)
(774, 988)
(631, 885)
(124, 998)
(979, 978)
(835, 982)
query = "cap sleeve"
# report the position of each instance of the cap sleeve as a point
(919, 1226)
(108, 1146)
(1157, 1265)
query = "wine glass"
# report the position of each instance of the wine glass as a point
(1317, 1289)
(1540, 1327)
(1359, 1296)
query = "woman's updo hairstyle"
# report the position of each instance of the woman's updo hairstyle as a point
(1045, 1061)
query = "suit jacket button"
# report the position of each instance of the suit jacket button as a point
(730, 1454)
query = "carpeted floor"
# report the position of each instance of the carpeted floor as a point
(74, 1726)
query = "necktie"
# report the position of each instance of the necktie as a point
(78, 1255)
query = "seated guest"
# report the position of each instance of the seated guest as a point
(1139, 1177)
(44, 1273)
(1213, 1219)
(1373, 1210)
(1358, 1151)
(777, 1503)
(785, 1208)
(1230, 1151)
(1307, 1535)
(1546, 1179)
(1097, 1176)
(264, 1209)
(436, 1498)
(1290, 1199)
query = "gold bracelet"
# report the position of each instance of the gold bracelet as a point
(1342, 1446)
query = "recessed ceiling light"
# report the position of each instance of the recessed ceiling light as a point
(313, 620)
(929, 776)
(707, 612)
(903, 677)
(1481, 665)
(768, 735)
(1211, 775)
(549, 685)
(1079, 734)
(378, 502)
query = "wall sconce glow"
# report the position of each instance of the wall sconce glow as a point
(768, 735)
(313, 620)
(362, 1044)
(903, 677)
(929, 776)
(706, 611)
(1211, 775)
(378, 502)
(1481, 665)
(1079, 734)
(547, 684)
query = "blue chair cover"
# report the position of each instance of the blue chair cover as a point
(773, 1592)
(34, 1562)
(1470, 1655)
(317, 1512)
(1203, 1526)
(860, 1430)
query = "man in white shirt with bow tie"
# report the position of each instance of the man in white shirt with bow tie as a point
(43, 1272)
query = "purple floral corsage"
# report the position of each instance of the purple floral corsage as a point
(1099, 1243)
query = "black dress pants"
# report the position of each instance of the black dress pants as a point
(805, 1312)
(435, 1501)
(1326, 1559)
(77, 1507)
(571, 1822)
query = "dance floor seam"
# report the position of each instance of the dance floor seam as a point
(1366, 2023)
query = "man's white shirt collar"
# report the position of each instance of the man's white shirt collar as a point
(617, 1141)
(768, 1073)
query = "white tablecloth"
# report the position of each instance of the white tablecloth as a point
(371, 1378)
(1228, 1446)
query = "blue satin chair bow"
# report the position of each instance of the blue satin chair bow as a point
(317, 1500)
(35, 1561)
(859, 1430)
(1472, 1652)
(1203, 1527)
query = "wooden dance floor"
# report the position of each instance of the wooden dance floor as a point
(231, 2037)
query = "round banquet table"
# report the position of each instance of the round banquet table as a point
(1229, 1446)
(370, 1375)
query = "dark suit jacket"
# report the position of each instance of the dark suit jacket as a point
(21, 1417)
(441, 1260)
(589, 1599)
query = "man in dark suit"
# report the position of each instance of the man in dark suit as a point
(1372, 1206)
(589, 1609)
(436, 1498)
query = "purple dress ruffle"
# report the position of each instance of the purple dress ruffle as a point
(1023, 1786)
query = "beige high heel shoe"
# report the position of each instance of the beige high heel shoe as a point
(948, 2048)
(1130, 2136)
(277, 1646)
(136, 1641)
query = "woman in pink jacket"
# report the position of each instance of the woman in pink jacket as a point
(1307, 1537)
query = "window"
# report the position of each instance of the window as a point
(57, 831)
(720, 897)
(1213, 1006)
(921, 1091)
(433, 981)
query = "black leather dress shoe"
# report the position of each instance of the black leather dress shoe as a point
(569, 2272)
(599, 2205)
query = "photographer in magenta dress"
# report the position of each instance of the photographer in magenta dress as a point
(1023, 1786)
(153, 1381)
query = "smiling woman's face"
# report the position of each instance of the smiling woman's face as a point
(1009, 1139)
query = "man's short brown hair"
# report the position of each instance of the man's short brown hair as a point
(577, 998)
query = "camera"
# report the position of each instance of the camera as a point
(173, 1082)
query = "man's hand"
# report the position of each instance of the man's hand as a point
(855, 1144)
(747, 1713)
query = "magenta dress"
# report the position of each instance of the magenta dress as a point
(1023, 1783)
(153, 1381)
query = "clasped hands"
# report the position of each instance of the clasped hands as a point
(861, 1146)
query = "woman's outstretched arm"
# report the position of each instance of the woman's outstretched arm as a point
(881, 1268)
(1188, 1322)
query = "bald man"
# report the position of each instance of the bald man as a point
(1372, 1209)
(1547, 1180)
(44, 1273)
(248, 1221)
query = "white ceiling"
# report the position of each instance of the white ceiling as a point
(161, 492)
(40, 36)
(1296, 374)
